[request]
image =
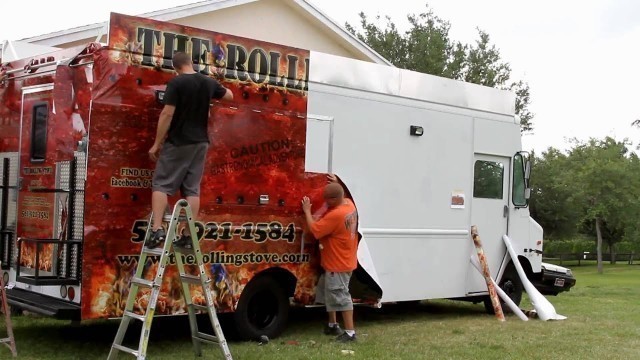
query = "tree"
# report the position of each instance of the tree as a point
(426, 47)
(605, 188)
(593, 190)
(551, 202)
(631, 221)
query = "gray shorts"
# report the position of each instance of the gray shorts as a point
(333, 291)
(180, 167)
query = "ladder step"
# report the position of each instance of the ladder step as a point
(134, 315)
(192, 279)
(207, 338)
(126, 349)
(168, 218)
(142, 282)
(200, 307)
(158, 251)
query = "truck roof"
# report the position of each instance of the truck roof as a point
(362, 75)
(18, 50)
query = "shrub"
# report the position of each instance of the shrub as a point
(575, 246)
(627, 247)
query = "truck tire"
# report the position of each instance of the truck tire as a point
(263, 309)
(511, 285)
(16, 311)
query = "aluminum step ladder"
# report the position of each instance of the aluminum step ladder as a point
(10, 341)
(138, 282)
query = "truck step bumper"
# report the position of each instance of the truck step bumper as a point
(42, 304)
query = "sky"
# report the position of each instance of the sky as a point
(581, 58)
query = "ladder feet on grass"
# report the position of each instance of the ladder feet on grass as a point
(186, 245)
(9, 341)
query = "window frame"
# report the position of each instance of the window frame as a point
(502, 178)
(38, 154)
(521, 171)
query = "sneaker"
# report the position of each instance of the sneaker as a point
(332, 330)
(344, 337)
(184, 242)
(157, 237)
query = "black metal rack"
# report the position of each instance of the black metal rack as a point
(65, 266)
(6, 235)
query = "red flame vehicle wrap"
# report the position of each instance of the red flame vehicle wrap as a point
(108, 97)
(257, 148)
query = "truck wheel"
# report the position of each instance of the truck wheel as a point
(15, 311)
(511, 285)
(263, 309)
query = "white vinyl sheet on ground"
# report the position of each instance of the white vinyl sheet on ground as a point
(546, 311)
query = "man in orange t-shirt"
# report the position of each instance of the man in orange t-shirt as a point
(336, 231)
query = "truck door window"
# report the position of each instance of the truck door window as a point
(488, 178)
(518, 196)
(39, 132)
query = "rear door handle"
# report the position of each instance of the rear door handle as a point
(505, 211)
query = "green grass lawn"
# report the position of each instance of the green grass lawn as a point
(603, 323)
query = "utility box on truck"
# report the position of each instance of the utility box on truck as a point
(423, 158)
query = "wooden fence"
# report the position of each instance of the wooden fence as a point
(580, 257)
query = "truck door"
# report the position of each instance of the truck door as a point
(36, 173)
(489, 212)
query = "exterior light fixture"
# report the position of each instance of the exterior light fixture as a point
(416, 130)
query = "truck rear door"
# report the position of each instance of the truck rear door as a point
(35, 205)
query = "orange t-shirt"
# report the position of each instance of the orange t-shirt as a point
(337, 233)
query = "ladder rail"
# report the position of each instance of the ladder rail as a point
(10, 340)
(185, 285)
(133, 290)
(205, 283)
(134, 287)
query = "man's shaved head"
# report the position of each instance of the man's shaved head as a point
(181, 59)
(333, 194)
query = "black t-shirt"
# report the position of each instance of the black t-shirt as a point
(191, 95)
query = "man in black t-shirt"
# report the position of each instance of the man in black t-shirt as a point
(180, 160)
